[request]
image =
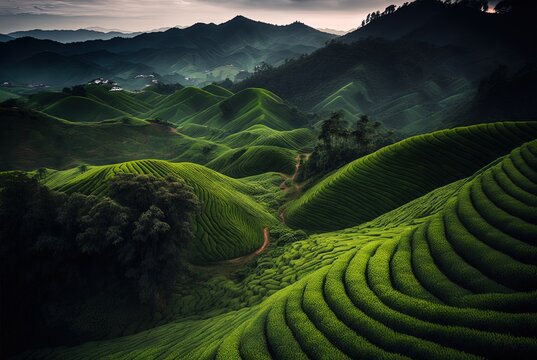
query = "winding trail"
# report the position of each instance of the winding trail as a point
(245, 258)
(285, 187)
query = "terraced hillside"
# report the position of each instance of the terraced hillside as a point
(30, 140)
(183, 104)
(258, 135)
(253, 160)
(346, 99)
(247, 108)
(230, 223)
(394, 175)
(456, 279)
(82, 109)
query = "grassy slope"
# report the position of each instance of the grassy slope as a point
(83, 109)
(253, 160)
(344, 99)
(247, 108)
(230, 223)
(30, 140)
(297, 139)
(182, 104)
(120, 100)
(6, 95)
(449, 275)
(392, 176)
(218, 90)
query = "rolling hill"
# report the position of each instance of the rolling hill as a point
(396, 174)
(197, 55)
(230, 223)
(183, 104)
(455, 278)
(248, 108)
(254, 160)
(68, 36)
(259, 135)
(82, 109)
(412, 69)
(31, 139)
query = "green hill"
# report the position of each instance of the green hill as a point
(6, 95)
(454, 279)
(120, 100)
(460, 285)
(253, 160)
(247, 108)
(182, 104)
(30, 140)
(230, 223)
(218, 90)
(82, 109)
(345, 99)
(297, 139)
(394, 175)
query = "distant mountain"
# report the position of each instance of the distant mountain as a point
(501, 95)
(411, 69)
(69, 36)
(333, 31)
(190, 54)
(4, 38)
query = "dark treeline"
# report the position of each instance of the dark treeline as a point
(58, 249)
(338, 144)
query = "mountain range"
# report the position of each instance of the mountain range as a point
(199, 54)
(411, 69)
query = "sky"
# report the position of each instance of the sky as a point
(144, 15)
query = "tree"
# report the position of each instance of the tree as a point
(41, 173)
(163, 211)
(339, 145)
(263, 67)
(83, 168)
(390, 9)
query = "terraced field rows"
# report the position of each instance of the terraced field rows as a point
(254, 160)
(456, 279)
(394, 175)
(246, 109)
(445, 289)
(230, 223)
(259, 135)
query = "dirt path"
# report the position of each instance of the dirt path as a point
(244, 259)
(285, 187)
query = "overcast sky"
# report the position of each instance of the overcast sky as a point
(139, 15)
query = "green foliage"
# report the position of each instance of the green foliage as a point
(134, 238)
(230, 223)
(282, 235)
(53, 143)
(339, 145)
(254, 160)
(390, 177)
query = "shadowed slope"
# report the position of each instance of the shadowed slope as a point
(230, 223)
(30, 140)
(392, 176)
(253, 160)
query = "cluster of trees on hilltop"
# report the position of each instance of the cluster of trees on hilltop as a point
(338, 144)
(483, 5)
(58, 249)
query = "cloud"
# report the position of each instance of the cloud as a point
(150, 14)
(305, 5)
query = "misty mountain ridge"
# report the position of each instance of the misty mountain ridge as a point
(201, 53)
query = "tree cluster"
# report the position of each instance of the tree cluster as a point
(77, 90)
(377, 14)
(338, 144)
(55, 245)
